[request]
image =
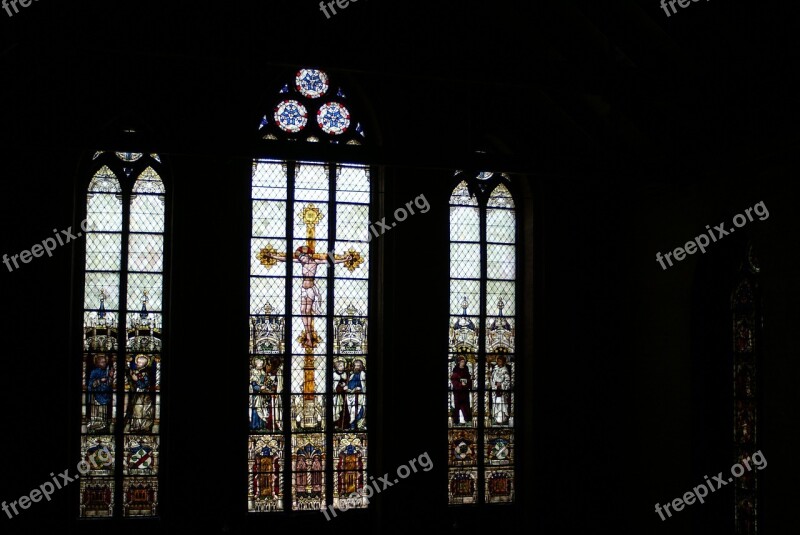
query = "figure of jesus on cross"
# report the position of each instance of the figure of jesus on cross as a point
(309, 260)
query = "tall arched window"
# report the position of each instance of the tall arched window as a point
(122, 332)
(480, 363)
(309, 308)
(747, 322)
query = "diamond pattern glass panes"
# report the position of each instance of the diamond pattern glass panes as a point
(269, 180)
(351, 295)
(268, 220)
(311, 183)
(103, 212)
(122, 349)
(99, 393)
(146, 252)
(501, 262)
(352, 185)
(481, 331)
(500, 226)
(144, 343)
(465, 260)
(267, 295)
(352, 217)
(464, 224)
(497, 291)
(464, 294)
(103, 251)
(147, 213)
(316, 292)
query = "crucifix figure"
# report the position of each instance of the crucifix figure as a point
(310, 299)
(306, 256)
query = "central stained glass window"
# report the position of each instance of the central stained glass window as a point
(309, 310)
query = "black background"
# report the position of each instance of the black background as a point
(626, 133)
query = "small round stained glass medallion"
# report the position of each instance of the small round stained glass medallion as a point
(311, 83)
(333, 118)
(291, 116)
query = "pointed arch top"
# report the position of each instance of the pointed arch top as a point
(462, 196)
(501, 197)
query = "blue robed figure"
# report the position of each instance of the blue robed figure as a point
(100, 392)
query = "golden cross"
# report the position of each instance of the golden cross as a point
(311, 216)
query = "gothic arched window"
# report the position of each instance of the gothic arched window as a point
(309, 306)
(122, 335)
(481, 360)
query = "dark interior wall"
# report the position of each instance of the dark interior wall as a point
(618, 140)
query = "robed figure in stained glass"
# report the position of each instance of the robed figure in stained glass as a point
(461, 380)
(501, 384)
(141, 409)
(100, 391)
(341, 417)
(356, 388)
(264, 409)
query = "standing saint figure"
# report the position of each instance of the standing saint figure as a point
(501, 384)
(141, 408)
(100, 392)
(264, 409)
(341, 417)
(461, 380)
(356, 388)
(310, 298)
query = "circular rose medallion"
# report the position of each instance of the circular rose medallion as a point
(333, 118)
(311, 83)
(291, 116)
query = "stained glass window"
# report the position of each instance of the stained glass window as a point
(330, 117)
(308, 325)
(481, 359)
(746, 310)
(122, 347)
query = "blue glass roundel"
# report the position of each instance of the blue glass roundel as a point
(333, 118)
(291, 116)
(311, 83)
